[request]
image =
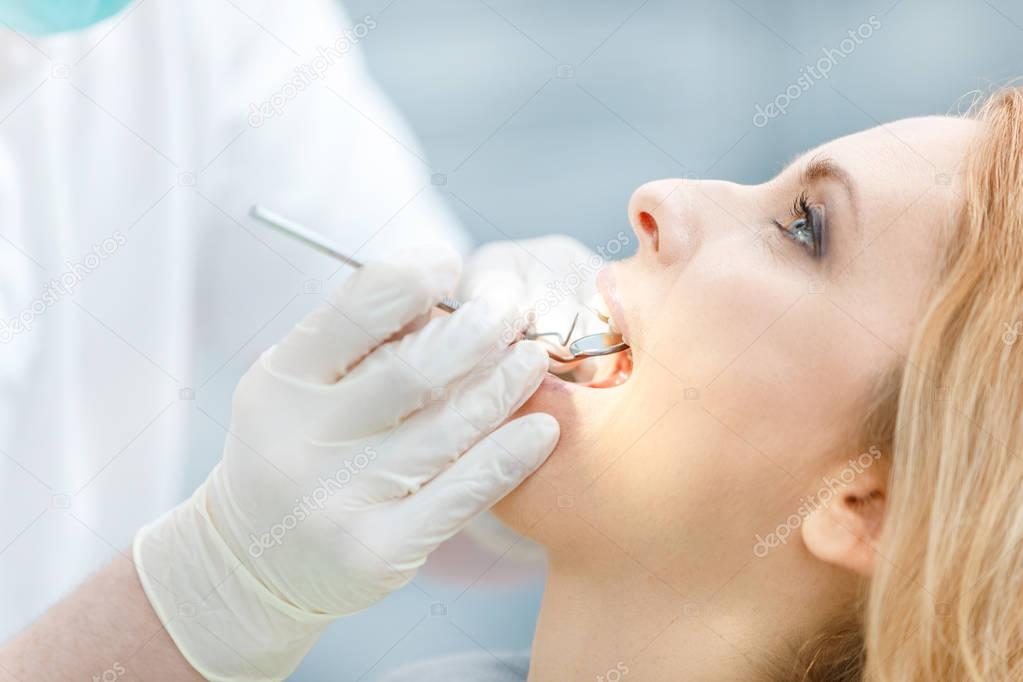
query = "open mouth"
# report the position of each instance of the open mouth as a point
(608, 371)
(605, 371)
(600, 370)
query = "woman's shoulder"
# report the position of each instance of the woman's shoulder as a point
(479, 666)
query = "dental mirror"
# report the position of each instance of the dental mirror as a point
(597, 344)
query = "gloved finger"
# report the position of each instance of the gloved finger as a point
(402, 376)
(550, 279)
(534, 274)
(430, 440)
(480, 478)
(494, 273)
(375, 303)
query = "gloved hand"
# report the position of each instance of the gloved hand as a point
(548, 279)
(348, 461)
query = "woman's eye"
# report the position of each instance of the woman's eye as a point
(806, 226)
(800, 230)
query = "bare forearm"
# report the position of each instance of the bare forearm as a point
(105, 630)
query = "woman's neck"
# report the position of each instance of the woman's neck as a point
(607, 617)
(635, 627)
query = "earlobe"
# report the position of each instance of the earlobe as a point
(844, 527)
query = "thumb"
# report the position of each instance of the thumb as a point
(372, 305)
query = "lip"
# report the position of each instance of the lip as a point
(616, 371)
(608, 289)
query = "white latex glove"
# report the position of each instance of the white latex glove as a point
(348, 461)
(548, 279)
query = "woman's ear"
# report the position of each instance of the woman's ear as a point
(848, 513)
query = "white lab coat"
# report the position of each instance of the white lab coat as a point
(129, 159)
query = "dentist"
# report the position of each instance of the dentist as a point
(338, 476)
(353, 452)
(134, 291)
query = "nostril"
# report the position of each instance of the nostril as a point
(649, 227)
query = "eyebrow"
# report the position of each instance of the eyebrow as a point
(824, 168)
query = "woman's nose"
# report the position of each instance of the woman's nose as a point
(657, 218)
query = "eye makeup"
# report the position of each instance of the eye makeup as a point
(806, 225)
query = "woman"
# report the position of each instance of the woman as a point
(813, 469)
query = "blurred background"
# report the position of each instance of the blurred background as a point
(525, 118)
(540, 117)
(544, 116)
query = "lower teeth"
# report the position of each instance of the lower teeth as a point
(612, 371)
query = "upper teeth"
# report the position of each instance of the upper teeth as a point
(603, 312)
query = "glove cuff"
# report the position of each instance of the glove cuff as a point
(225, 622)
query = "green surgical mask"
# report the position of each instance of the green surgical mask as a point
(43, 17)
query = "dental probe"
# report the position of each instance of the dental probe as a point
(322, 244)
(589, 346)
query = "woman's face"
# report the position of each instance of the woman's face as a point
(760, 318)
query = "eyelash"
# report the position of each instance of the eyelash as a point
(809, 235)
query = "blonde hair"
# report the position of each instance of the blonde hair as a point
(946, 600)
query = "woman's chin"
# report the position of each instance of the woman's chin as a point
(523, 507)
(597, 383)
(574, 405)
(558, 398)
(578, 409)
